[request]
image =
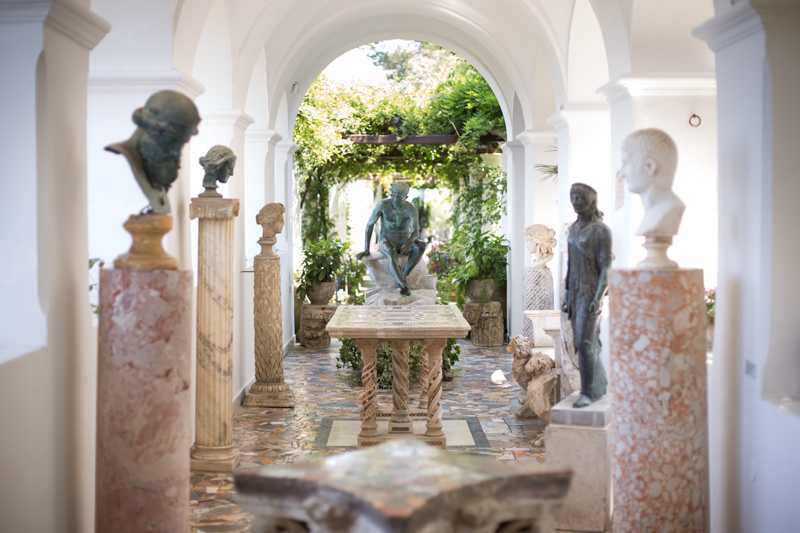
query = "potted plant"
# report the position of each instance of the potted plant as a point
(481, 268)
(321, 262)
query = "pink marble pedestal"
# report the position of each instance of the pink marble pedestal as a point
(658, 380)
(143, 401)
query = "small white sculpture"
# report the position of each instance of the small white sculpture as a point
(540, 242)
(649, 160)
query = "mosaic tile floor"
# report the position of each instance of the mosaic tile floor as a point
(279, 436)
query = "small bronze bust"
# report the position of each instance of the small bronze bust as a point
(165, 123)
(218, 164)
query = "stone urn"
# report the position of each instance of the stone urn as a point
(322, 293)
(481, 291)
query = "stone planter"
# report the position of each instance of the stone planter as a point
(322, 293)
(481, 291)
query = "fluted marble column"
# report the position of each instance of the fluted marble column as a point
(270, 389)
(213, 449)
(658, 381)
(143, 401)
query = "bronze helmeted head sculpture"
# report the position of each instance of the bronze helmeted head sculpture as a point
(165, 123)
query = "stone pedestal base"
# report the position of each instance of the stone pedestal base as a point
(658, 375)
(143, 401)
(214, 458)
(486, 321)
(537, 295)
(580, 439)
(385, 292)
(540, 321)
(269, 395)
(313, 320)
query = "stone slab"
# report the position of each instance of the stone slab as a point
(597, 414)
(398, 322)
(587, 451)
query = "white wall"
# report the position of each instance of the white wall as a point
(755, 467)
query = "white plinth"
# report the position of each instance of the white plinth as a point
(542, 320)
(582, 442)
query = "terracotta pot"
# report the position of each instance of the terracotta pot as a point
(481, 291)
(322, 293)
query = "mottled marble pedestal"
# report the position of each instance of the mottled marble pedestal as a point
(143, 401)
(537, 295)
(313, 320)
(213, 449)
(658, 376)
(369, 325)
(580, 439)
(486, 321)
(403, 487)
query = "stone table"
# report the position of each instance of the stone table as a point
(369, 325)
(403, 487)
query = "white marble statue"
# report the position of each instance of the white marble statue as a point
(649, 160)
(540, 242)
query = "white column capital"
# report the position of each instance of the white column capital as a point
(77, 23)
(532, 137)
(263, 135)
(732, 25)
(232, 117)
(287, 146)
(631, 85)
(511, 147)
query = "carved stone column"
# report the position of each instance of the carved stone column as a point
(400, 421)
(269, 390)
(434, 425)
(213, 449)
(369, 376)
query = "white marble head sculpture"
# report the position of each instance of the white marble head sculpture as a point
(649, 160)
(540, 242)
(270, 218)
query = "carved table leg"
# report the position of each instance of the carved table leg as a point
(369, 376)
(435, 347)
(400, 421)
(423, 377)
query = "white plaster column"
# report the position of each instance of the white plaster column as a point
(514, 151)
(258, 162)
(752, 430)
(541, 205)
(283, 179)
(584, 147)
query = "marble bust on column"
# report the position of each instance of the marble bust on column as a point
(649, 160)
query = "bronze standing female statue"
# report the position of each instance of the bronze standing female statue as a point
(589, 258)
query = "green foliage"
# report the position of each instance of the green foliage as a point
(94, 286)
(349, 279)
(481, 203)
(711, 304)
(483, 257)
(321, 261)
(350, 357)
(424, 214)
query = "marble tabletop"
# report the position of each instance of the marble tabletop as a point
(412, 322)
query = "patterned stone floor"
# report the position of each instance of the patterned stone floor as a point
(278, 436)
